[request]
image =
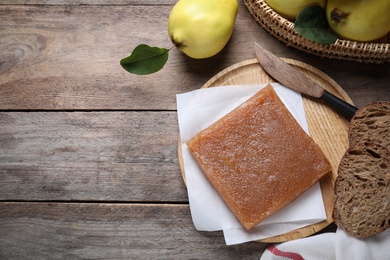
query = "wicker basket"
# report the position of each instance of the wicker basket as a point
(283, 30)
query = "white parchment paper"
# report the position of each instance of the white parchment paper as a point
(196, 111)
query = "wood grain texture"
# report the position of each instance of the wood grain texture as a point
(67, 57)
(110, 231)
(127, 156)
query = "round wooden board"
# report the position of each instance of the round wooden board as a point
(328, 129)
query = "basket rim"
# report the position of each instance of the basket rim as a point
(283, 29)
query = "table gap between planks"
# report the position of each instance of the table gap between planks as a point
(88, 152)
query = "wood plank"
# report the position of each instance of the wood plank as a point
(110, 231)
(67, 57)
(88, 2)
(364, 83)
(110, 156)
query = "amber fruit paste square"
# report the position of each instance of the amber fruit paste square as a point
(258, 157)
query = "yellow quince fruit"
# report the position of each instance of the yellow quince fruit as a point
(359, 20)
(290, 8)
(202, 28)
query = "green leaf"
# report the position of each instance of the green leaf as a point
(312, 24)
(145, 60)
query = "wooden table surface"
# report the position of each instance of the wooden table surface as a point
(88, 152)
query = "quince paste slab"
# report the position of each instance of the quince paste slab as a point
(258, 157)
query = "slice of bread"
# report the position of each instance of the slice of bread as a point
(371, 123)
(362, 206)
(362, 188)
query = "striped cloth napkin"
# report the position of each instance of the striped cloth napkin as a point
(329, 246)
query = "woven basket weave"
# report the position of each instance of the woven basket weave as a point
(283, 30)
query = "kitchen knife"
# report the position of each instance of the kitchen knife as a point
(296, 80)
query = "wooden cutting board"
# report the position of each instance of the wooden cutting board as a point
(328, 129)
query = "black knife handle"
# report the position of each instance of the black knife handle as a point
(346, 109)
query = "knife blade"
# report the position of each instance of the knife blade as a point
(292, 78)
